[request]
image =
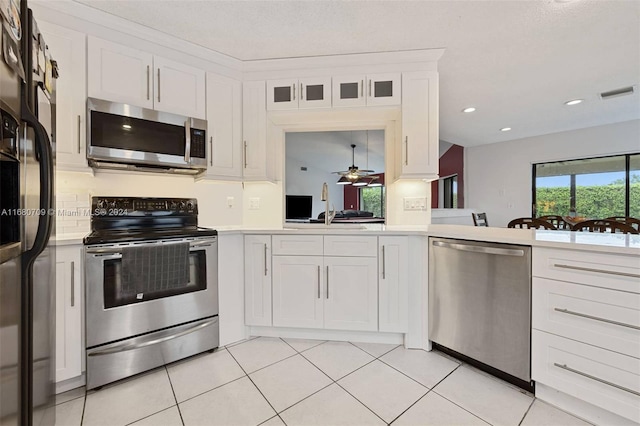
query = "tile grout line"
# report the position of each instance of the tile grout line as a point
(421, 384)
(380, 356)
(409, 407)
(363, 404)
(527, 412)
(84, 406)
(175, 398)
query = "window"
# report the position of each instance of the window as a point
(372, 200)
(450, 192)
(595, 188)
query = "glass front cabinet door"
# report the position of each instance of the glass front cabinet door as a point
(299, 94)
(369, 90)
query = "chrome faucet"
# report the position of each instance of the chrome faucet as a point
(328, 214)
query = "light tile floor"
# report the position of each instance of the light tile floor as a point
(275, 382)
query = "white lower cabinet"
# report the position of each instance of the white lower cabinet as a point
(69, 347)
(257, 280)
(298, 293)
(393, 287)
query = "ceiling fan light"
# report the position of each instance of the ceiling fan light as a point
(343, 181)
(361, 182)
(375, 182)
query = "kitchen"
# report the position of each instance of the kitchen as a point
(242, 192)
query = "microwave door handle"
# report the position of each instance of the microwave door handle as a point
(187, 136)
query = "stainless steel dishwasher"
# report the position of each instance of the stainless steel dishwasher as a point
(480, 303)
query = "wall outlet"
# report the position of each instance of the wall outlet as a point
(230, 201)
(415, 203)
(254, 203)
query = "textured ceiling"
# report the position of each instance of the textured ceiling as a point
(517, 62)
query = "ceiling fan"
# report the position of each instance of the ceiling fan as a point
(354, 175)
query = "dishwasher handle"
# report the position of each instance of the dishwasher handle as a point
(480, 249)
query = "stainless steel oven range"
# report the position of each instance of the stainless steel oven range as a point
(151, 286)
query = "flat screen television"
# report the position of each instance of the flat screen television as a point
(298, 206)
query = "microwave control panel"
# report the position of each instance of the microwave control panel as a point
(198, 143)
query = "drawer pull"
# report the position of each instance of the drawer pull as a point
(578, 314)
(597, 379)
(601, 271)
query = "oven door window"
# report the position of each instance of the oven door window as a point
(115, 295)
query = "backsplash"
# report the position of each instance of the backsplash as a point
(73, 213)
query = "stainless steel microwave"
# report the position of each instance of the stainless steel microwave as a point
(124, 136)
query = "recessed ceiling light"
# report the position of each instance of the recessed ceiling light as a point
(573, 102)
(126, 126)
(505, 129)
(470, 109)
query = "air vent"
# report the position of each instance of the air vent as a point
(618, 92)
(303, 168)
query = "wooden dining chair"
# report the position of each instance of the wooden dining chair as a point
(557, 221)
(530, 223)
(605, 225)
(634, 222)
(480, 219)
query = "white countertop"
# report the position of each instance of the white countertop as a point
(589, 241)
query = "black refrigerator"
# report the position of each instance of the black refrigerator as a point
(27, 219)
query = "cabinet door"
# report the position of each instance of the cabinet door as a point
(224, 124)
(348, 91)
(282, 94)
(254, 130)
(69, 347)
(418, 150)
(297, 291)
(315, 93)
(393, 289)
(257, 280)
(383, 89)
(179, 88)
(351, 293)
(68, 48)
(118, 73)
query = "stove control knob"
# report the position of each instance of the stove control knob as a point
(183, 205)
(190, 205)
(173, 205)
(101, 204)
(113, 204)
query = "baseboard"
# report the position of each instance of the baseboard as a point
(580, 408)
(339, 335)
(74, 382)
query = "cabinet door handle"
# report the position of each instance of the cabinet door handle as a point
(294, 91)
(265, 260)
(327, 282)
(148, 86)
(79, 118)
(597, 379)
(301, 92)
(318, 281)
(406, 150)
(384, 265)
(211, 150)
(600, 271)
(244, 154)
(362, 88)
(369, 88)
(73, 284)
(578, 314)
(158, 84)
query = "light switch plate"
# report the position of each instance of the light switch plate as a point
(230, 201)
(254, 203)
(415, 203)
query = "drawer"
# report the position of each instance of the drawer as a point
(298, 245)
(349, 245)
(601, 317)
(603, 378)
(615, 271)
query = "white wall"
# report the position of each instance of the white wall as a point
(498, 176)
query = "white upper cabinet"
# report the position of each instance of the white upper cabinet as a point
(68, 49)
(366, 90)
(179, 88)
(299, 94)
(121, 74)
(254, 130)
(418, 151)
(224, 126)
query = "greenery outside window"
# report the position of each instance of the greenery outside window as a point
(372, 200)
(594, 188)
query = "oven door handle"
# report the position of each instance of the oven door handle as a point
(130, 347)
(118, 250)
